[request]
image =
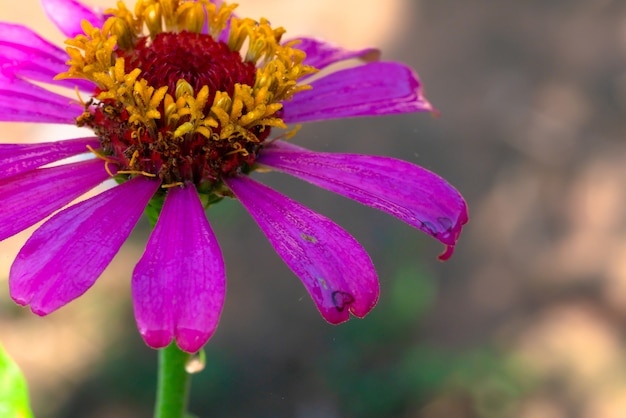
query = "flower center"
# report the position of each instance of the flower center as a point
(196, 58)
(185, 102)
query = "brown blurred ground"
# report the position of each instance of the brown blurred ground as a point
(532, 96)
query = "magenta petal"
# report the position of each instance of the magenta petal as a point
(31, 196)
(409, 192)
(21, 101)
(27, 55)
(18, 158)
(320, 54)
(333, 266)
(179, 284)
(377, 88)
(67, 15)
(65, 256)
(18, 36)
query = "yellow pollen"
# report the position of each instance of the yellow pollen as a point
(80, 99)
(238, 149)
(97, 154)
(136, 172)
(169, 186)
(108, 169)
(134, 158)
(107, 160)
(156, 117)
(92, 56)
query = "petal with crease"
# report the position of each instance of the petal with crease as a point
(179, 284)
(377, 88)
(18, 158)
(409, 192)
(67, 15)
(335, 269)
(27, 55)
(321, 54)
(19, 36)
(21, 101)
(65, 256)
(32, 196)
(17, 109)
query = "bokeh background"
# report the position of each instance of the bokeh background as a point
(526, 320)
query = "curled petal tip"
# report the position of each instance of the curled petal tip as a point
(38, 311)
(188, 340)
(191, 340)
(363, 313)
(455, 233)
(447, 253)
(411, 193)
(346, 303)
(339, 313)
(19, 300)
(336, 319)
(156, 338)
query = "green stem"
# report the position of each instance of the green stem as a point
(173, 383)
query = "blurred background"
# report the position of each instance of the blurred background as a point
(527, 320)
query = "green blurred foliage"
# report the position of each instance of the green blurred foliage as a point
(380, 368)
(13, 390)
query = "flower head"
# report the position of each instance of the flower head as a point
(185, 100)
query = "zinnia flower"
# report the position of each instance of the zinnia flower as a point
(185, 100)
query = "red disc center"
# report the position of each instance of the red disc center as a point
(197, 58)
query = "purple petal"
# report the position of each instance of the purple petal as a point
(67, 15)
(21, 101)
(334, 268)
(409, 192)
(377, 88)
(321, 54)
(32, 196)
(21, 37)
(26, 54)
(65, 256)
(18, 158)
(179, 284)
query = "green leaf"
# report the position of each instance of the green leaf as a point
(13, 390)
(153, 210)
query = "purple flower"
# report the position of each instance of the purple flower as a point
(184, 99)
